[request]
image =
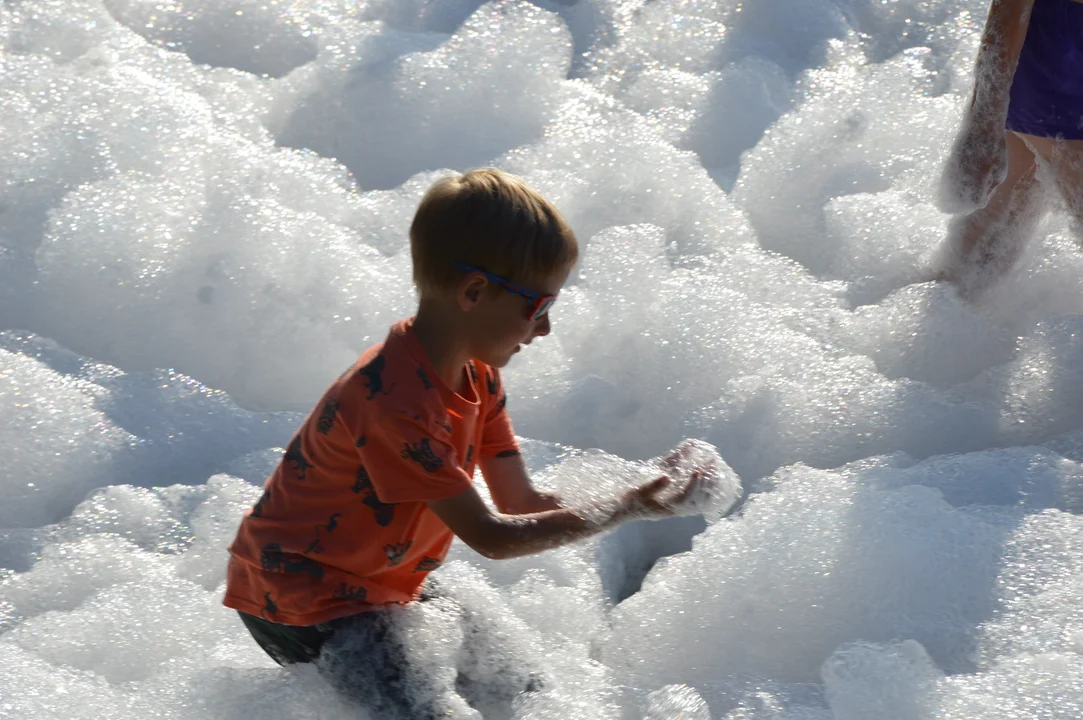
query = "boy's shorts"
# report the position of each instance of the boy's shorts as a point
(1047, 90)
(362, 656)
(365, 658)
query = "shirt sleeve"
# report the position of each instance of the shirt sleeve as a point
(497, 436)
(408, 459)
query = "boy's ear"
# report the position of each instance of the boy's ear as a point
(471, 291)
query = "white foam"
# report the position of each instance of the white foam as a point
(57, 445)
(676, 701)
(191, 277)
(490, 87)
(849, 137)
(57, 30)
(817, 562)
(927, 332)
(893, 681)
(268, 39)
(202, 198)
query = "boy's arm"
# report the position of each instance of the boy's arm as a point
(510, 486)
(498, 536)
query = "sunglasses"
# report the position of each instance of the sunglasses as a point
(539, 304)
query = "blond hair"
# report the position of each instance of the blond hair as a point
(490, 220)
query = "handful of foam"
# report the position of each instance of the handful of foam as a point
(716, 491)
(594, 478)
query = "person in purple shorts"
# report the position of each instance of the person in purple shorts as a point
(1025, 113)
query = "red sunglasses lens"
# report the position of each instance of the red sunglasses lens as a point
(541, 306)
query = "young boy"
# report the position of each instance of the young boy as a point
(377, 480)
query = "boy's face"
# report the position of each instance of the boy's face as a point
(503, 321)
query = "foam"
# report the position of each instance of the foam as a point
(848, 138)
(640, 410)
(1044, 283)
(204, 212)
(176, 429)
(880, 241)
(461, 104)
(57, 446)
(928, 333)
(686, 64)
(676, 701)
(869, 564)
(1029, 653)
(1035, 478)
(1015, 686)
(60, 31)
(209, 290)
(269, 39)
(114, 632)
(891, 680)
(1039, 387)
(1041, 565)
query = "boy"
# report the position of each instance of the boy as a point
(376, 482)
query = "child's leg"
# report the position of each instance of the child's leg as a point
(366, 659)
(983, 245)
(1067, 162)
(361, 656)
(492, 669)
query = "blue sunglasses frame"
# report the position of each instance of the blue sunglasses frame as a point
(539, 304)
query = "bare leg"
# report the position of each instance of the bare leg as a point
(983, 245)
(1066, 157)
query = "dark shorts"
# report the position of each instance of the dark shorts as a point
(361, 656)
(366, 659)
(1047, 90)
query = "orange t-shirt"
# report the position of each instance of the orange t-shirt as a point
(342, 525)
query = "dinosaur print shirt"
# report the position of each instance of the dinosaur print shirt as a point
(343, 526)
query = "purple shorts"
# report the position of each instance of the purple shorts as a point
(1047, 91)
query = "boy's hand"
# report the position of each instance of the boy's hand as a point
(673, 462)
(651, 500)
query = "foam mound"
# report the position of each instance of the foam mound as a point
(204, 213)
